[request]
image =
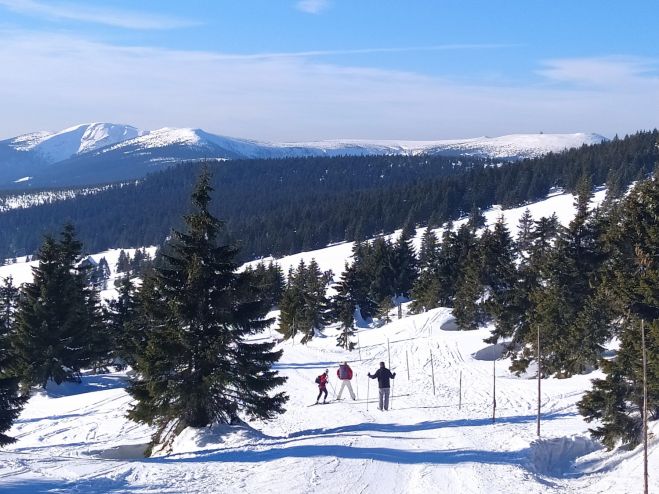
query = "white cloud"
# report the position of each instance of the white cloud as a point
(54, 81)
(602, 71)
(313, 6)
(85, 13)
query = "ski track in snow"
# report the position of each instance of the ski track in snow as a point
(76, 438)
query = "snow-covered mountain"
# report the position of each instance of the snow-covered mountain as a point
(101, 152)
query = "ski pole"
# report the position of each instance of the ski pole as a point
(333, 388)
(391, 400)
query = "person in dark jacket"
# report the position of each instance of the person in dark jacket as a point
(344, 373)
(322, 385)
(383, 375)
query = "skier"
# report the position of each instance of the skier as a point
(383, 375)
(322, 385)
(344, 372)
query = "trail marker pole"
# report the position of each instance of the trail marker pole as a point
(407, 361)
(389, 353)
(539, 381)
(391, 399)
(460, 391)
(645, 411)
(432, 368)
(368, 388)
(494, 389)
(359, 346)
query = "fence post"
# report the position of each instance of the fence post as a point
(460, 398)
(432, 367)
(407, 361)
(389, 353)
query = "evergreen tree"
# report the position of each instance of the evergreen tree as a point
(11, 400)
(525, 233)
(121, 316)
(344, 304)
(404, 262)
(123, 263)
(197, 367)
(291, 306)
(380, 266)
(467, 308)
(57, 319)
(360, 278)
(565, 303)
(632, 280)
(500, 279)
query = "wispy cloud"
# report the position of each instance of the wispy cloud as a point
(52, 81)
(601, 71)
(313, 6)
(83, 12)
(359, 51)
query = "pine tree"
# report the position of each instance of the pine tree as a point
(197, 367)
(57, 319)
(11, 400)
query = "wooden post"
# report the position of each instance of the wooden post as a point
(389, 352)
(432, 367)
(400, 310)
(407, 361)
(359, 345)
(460, 395)
(539, 380)
(494, 390)
(645, 411)
(368, 389)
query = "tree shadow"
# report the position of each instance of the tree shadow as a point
(88, 384)
(387, 455)
(88, 486)
(427, 425)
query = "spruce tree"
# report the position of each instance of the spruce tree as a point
(343, 306)
(632, 280)
(57, 320)
(405, 262)
(197, 367)
(291, 306)
(11, 399)
(121, 319)
(565, 303)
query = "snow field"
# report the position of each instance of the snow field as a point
(75, 438)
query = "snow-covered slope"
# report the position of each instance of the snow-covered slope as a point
(94, 153)
(438, 436)
(54, 147)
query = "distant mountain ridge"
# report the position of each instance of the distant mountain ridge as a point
(104, 152)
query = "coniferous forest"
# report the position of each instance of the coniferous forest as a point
(573, 288)
(305, 203)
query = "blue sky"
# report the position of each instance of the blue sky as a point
(319, 69)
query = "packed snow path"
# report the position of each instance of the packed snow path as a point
(75, 438)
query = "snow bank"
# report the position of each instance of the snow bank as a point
(556, 456)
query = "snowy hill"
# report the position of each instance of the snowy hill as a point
(102, 152)
(438, 436)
